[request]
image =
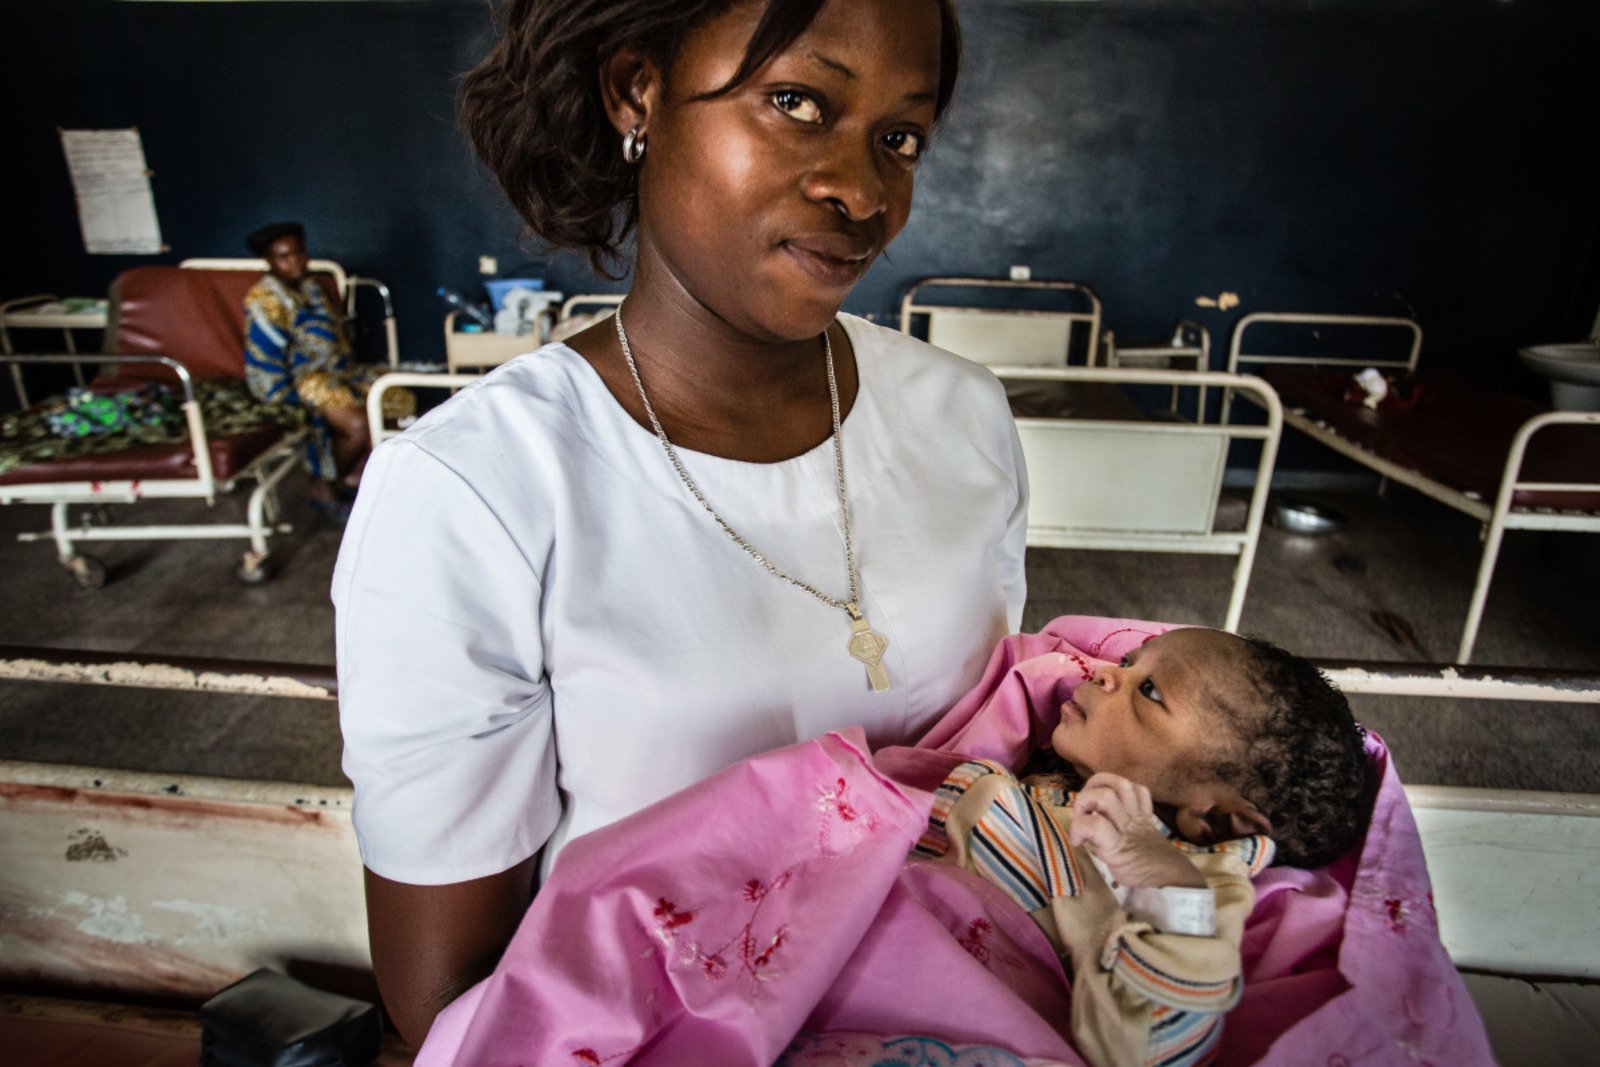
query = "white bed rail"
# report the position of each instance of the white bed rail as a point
(1007, 336)
(346, 284)
(1144, 486)
(412, 380)
(1515, 882)
(1239, 359)
(260, 266)
(1236, 347)
(603, 302)
(1191, 344)
(1506, 517)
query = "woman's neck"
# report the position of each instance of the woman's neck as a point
(715, 388)
(291, 286)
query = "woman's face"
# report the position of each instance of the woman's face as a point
(286, 258)
(765, 205)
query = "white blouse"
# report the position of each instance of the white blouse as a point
(540, 631)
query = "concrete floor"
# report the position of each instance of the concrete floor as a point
(1401, 554)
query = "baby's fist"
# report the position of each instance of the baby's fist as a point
(1115, 818)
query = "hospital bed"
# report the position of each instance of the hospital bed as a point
(180, 325)
(1045, 323)
(377, 426)
(345, 290)
(484, 351)
(1135, 484)
(119, 887)
(1502, 459)
(579, 312)
(469, 354)
(1102, 472)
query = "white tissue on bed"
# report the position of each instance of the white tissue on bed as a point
(1374, 384)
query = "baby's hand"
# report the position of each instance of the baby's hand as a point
(1116, 819)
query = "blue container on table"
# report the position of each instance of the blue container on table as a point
(497, 288)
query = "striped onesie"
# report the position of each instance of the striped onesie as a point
(1139, 996)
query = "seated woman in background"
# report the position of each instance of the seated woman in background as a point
(297, 353)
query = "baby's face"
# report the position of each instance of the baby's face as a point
(1157, 718)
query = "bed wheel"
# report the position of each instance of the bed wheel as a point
(89, 571)
(252, 571)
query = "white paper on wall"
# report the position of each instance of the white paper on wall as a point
(112, 183)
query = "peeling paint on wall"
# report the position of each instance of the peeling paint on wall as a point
(108, 919)
(160, 676)
(92, 847)
(1466, 683)
(213, 922)
(1225, 301)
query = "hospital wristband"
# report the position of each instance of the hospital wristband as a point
(1174, 909)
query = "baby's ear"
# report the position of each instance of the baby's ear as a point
(1222, 816)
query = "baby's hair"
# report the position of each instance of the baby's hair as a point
(534, 111)
(260, 241)
(1303, 763)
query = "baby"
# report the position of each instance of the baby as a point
(1187, 767)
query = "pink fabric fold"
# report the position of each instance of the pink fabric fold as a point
(775, 899)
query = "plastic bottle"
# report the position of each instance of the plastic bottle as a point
(466, 307)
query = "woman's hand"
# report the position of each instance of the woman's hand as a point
(1116, 819)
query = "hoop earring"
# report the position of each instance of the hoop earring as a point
(633, 146)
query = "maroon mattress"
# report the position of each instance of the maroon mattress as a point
(149, 463)
(1455, 434)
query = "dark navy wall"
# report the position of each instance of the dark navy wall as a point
(1426, 156)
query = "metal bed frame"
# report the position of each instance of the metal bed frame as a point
(597, 301)
(1118, 483)
(261, 510)
(1147, 485)
(1033, 337)
(266, 470)
(28, 312)
(1497, 516)
(346, 284)
(1190, 344)
(410, 379)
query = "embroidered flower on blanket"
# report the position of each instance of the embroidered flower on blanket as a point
(842, 825)
(750, 951)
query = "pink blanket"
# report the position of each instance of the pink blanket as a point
(770, 914)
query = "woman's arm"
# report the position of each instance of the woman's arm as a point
(430, 943)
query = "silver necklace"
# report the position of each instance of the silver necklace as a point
(865, 644)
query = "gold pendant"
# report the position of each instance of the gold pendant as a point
(867, 645)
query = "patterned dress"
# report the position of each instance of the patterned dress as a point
(296, 353)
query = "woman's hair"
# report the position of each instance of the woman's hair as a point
(534, 112)
(259, 242)
(1304, 762)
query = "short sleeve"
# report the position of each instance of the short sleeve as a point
(443, 702)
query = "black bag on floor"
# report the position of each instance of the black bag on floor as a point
(267, 1019)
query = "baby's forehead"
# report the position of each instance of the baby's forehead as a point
(1213, 665)
(1202, 645)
